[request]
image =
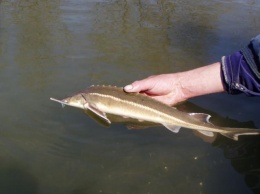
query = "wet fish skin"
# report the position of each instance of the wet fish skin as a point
(113, 100)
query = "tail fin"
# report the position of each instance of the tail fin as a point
(240, 131)
(231, 133)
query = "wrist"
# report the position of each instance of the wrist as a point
(201, 81)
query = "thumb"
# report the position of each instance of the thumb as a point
(139, 86)
(131, 88)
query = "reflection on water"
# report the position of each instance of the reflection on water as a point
(127, 32)
(54, 48)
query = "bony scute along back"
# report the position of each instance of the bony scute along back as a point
(103, 100)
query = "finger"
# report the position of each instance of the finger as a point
(139, 86)
(129, 88)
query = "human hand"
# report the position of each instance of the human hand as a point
(165, 88)
(176, 87)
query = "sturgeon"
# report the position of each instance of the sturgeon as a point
(102, 100)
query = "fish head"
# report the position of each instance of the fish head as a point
(77, 101)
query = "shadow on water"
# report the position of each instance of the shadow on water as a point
(14, 179)
(243, 154)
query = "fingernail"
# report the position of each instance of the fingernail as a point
(128, 87)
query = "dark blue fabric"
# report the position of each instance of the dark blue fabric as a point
(256, 46)
(241, 70)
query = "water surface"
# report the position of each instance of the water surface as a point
(55, 48)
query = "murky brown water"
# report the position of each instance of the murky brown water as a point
(55, 48)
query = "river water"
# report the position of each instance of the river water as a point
(54, 48)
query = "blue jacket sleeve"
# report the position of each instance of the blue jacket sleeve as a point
(241, 70)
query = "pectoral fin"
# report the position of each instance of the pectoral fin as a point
(97, 112)
(97, 118)
(172, 128)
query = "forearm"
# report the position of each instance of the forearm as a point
(201, 81)
(237, 73)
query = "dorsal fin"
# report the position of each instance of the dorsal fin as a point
(201, 117)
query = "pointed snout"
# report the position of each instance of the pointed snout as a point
(77, 101)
